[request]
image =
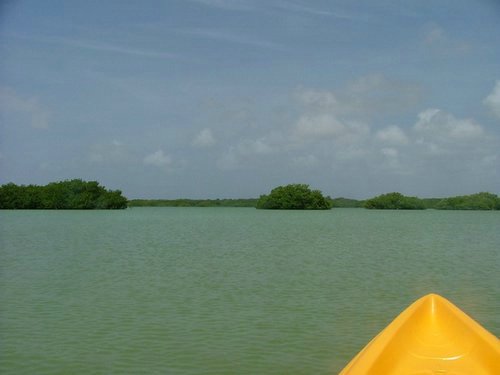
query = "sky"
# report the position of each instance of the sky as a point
(231, 98)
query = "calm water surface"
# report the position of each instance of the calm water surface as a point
(228, 290)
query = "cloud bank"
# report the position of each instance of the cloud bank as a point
(334, 132)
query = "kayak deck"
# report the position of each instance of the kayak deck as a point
(430, 337)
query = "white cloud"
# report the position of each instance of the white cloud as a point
(204, 138)
(321, 119)
(158, 159)
(392, 135)
(466, 129)
(439, 133)
(437, 124)
(437, 41)
(38, 115)
(319, 126)
(329, 125)
(493, 100)
(426, 116)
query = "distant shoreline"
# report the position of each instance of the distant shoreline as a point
(480, 201)
(251, 202)
(80, 194)
(226, 202)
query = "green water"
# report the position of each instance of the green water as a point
(228, 290)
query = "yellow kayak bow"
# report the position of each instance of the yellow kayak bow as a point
(430, 337)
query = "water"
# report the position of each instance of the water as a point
(228, 290)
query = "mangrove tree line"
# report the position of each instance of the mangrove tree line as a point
(69, 194)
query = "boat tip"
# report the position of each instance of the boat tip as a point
(432, 296)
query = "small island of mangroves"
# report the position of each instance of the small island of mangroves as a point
(73, 194)
(80, 194)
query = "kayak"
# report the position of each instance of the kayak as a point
(432, 336)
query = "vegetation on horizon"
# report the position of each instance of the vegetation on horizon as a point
(294, 197)
(193, 202)
(70, 194)
(347, 203)
(479, 201)
(79, 194)
(395, 201)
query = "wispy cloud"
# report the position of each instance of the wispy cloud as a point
(97, 46)
(272, 6)
(230, 37)
(298, 7)
(227, 4)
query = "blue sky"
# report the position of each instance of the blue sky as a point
(230, 98)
